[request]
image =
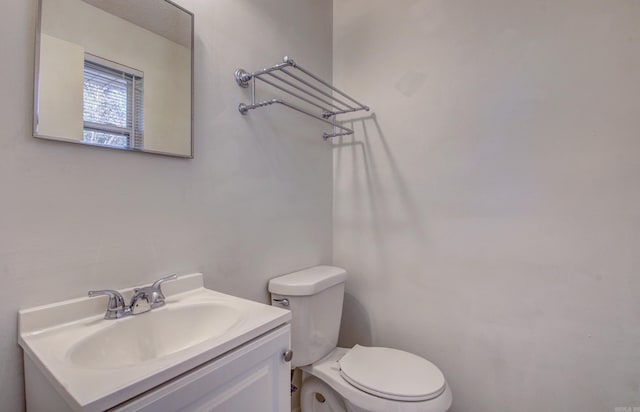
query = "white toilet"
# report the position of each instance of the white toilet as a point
(361, 379)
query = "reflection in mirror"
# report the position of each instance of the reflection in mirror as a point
(115, 73)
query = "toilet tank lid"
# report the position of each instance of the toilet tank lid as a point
(308, 281)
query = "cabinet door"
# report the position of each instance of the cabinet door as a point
(252, 378)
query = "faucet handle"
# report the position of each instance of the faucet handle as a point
(116, 307)
(158, 283)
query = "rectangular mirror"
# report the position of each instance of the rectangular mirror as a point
(116, 74)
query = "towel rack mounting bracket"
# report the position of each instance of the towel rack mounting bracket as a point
(243, 77)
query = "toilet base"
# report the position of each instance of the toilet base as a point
(317, 396)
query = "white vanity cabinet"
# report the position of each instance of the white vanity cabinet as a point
(253, 378)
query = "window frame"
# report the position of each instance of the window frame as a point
(134, 132)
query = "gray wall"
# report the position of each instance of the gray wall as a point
(254, 203)
(490, 216)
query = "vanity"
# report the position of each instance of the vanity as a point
(201, 351)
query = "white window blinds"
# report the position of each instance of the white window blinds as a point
(113, 104)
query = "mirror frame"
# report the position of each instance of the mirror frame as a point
(36, 92)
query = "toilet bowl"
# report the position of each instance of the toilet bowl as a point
(360, 379)
(337, 394)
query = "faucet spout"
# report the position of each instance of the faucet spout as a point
(140, 302)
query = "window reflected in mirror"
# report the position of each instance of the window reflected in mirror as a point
(113, 109)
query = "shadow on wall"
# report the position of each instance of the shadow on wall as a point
(369, 182)
(378, 199)
(356, 325)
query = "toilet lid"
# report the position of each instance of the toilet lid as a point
(392, 374)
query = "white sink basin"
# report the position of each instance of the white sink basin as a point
(155, 334)
(95, 364)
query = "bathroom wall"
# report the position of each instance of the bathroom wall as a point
(489, 214)
(254, 203)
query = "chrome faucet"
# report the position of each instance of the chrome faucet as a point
(143, 300)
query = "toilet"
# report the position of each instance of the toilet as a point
(360, 379)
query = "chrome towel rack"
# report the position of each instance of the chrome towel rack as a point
(310, 89)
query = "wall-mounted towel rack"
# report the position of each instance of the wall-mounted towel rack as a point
(311, 90)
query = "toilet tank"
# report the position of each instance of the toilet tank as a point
(314, 296)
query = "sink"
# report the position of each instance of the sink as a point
(153, 335)
(94, 364)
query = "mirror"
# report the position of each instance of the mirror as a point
(116, 74)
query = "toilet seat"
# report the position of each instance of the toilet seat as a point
(392, 374)
(327, 370)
